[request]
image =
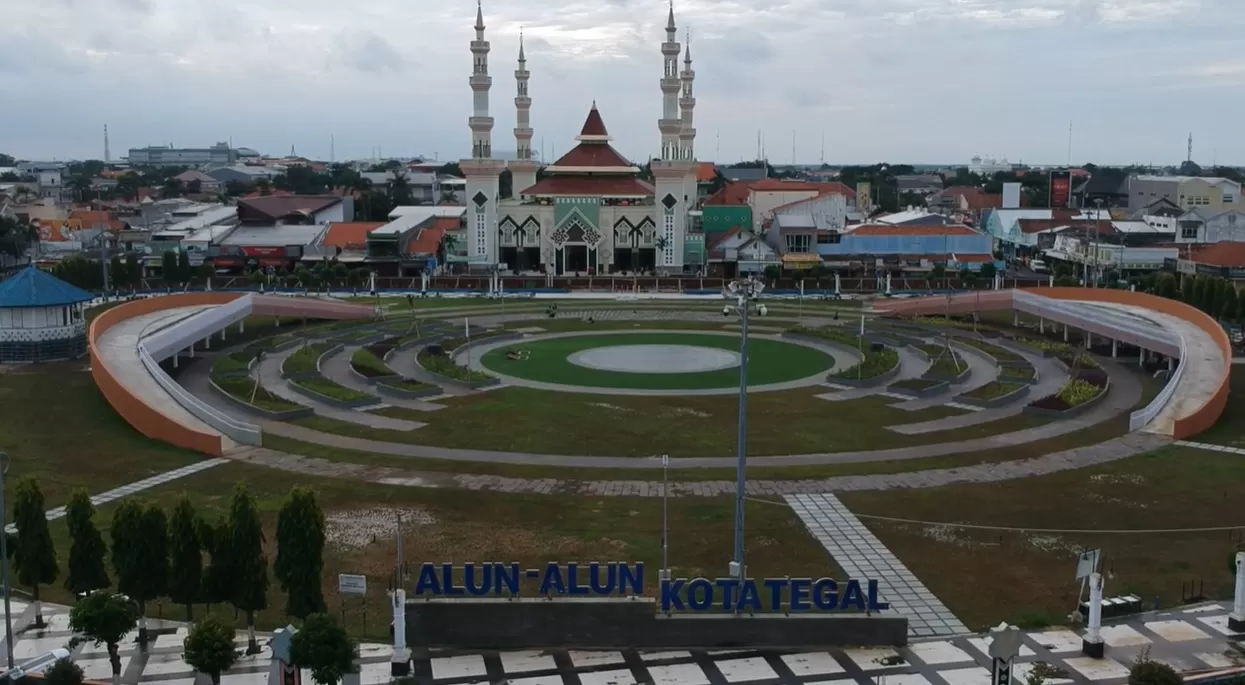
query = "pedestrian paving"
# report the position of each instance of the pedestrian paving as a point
(862, 555)
(1191, 639)
(137, 486)
(1209, 447)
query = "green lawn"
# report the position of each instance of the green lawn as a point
(770, 361)
(55, 425)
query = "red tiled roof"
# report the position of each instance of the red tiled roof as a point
(976, 198)
(777, 185)
(345, 234)
(625, 186)
(429, 237)
(952, 229)
(706, 172)
(1220, 254)
(592, 154)
(732, 194)
(271, 193)
(593, 125)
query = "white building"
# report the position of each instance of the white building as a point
(989, 165)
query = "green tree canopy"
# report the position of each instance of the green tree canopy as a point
(185, 557)
(248, 565)
(300, 553)
(64, 672)
(87, 550)
(104, 617)
(218, 576)
(209, 647)
(35, 557)
(140, 554)
(323, 647)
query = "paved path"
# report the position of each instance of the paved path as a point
(478, 351)
(1077, 458)
(1209, 447)
(861, 555)
(1050, 378)
(137, 486)
(118, 346)
(911, 365)
(981, 370)
(1190, 639)
(269, 373)
(336, 367)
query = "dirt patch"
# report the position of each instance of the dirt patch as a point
(356, 528)
(686, 411)
(1117, 478)
(606, 405)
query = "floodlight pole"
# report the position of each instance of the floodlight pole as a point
(744, 291)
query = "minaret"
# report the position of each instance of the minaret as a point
(671, 169)
(670, 124)
(481, 170)
(687, 105)
(522, 170)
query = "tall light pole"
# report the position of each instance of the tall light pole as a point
(1097, 238)
(4, 562)
(743, 292)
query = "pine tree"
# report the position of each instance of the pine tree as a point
(87, 550)
(247, 563)
(140, 555)
(300, 553)
(185, 557)
(217, 577)
(35, 557)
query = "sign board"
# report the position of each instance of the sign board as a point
(622, 579)
(1001, 672)
(1087, 563)
(350, 584)
(1060, 189)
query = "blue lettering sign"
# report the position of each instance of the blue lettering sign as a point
(613, 579)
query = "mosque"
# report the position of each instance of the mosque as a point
(589, 211)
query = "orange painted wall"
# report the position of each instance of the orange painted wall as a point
(1208, 413)
(137, 413)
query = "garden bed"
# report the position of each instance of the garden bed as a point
(365, 364)
(238, 391)
(235, 364)
(994, 394)
(875, 368)
(407, 389)
(305, 363)
(1075, 398)
(946, 365)
(1001, 355)
(919, 387)
(442, 366)
(332, 393)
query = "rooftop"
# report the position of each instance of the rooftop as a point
(587, 185)
(31, 287)
(1219, 254)
(593, 154)
(347, 234)
(429, 237)
(874, 229)
(273, 236)
(403, 219)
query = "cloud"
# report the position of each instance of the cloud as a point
(916, 80)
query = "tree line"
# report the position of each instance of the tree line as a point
(1214, 295)
(182, 556)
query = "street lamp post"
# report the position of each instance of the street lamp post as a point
(743, 292)
(4, 562)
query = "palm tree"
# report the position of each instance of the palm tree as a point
(17, 236)
(81, 186)
(448, 242)
(400, 190)
(661, 243)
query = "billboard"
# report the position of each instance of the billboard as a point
(864, 198)
(1011, 196)
(1060, 189)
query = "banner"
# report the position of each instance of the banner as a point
(1060, 189)
(864, 197)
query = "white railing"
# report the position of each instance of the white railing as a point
(239, 431)
(184, 333)
(1116, 325)
(1142, 417)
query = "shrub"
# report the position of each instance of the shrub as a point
(368, 365)
(306, 359)
(333, 390)
(993, 390)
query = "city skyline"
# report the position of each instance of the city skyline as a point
(919, 81)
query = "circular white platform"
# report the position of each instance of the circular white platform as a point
(655, 358)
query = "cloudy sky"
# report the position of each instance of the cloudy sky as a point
(922, 81)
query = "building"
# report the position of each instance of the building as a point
(1102, 189)
(921, 184)
(1005, 226)
(276, 230)
(767, 195)
(1203, 226)
(192, 179)
(989, 166)
(828, 211)
(411, 242)
(911, 217)
(244, 174)
(344, 241)
(590, 212)
(220, 153)
(872, 248)
(738, 252)
(1210, 193)
(745, 174)
(42, 318)
(966, 199)
(278, 210)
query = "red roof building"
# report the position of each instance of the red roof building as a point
(592, 168)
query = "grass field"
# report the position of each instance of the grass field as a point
(790, 422)
(769, 361)
(55, 425)
(446, 526)
(986, 576)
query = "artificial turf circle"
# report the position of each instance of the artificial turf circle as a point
(550, 360)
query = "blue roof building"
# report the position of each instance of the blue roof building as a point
(42, 318)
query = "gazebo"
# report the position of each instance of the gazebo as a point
(42, 318)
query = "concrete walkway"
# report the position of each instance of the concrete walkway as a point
(478, 351)
(981, 370)
(1077, 458)
(269, 374)
(336, 367)
(118, 347)
(911, 365)
(862, 555)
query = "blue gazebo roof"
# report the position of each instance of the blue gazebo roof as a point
(31, 287)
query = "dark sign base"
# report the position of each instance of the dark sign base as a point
(1093, 650)
(486, 623)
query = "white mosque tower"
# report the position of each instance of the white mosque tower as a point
(522, 170)
(481, 170)
(687, 104)
(673, 172)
